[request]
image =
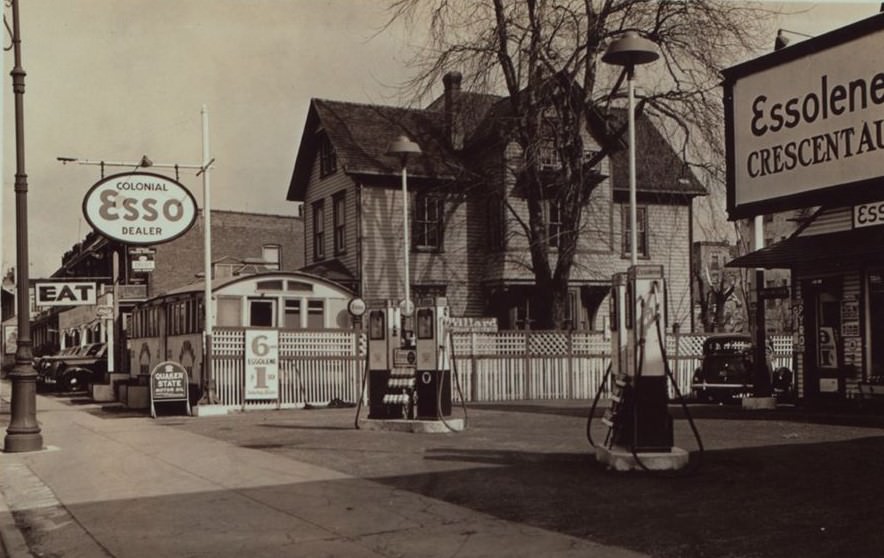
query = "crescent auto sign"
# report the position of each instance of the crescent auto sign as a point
(805, 125)
(140, 208)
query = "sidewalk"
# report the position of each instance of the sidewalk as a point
(133, 487)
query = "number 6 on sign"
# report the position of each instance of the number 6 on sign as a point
(262, 364)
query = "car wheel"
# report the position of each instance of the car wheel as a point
(74, 382)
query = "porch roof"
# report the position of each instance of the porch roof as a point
(857, 245)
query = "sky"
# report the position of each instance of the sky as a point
(114, 80)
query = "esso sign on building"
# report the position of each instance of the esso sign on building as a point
(140, 208)
(868, 215)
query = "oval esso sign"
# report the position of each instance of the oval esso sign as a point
(140, 208)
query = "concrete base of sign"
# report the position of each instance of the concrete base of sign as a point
(622, 459)
(209, 411)
(105, 393)
(414, 426)
(759, 403)
(102, 393)
(137, 397)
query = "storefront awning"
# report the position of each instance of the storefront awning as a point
(858, 245)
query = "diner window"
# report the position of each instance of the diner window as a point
(318, 230)
(328, 158)
(641, 217)
(229, 312)
(315, 314)
(261, 312)
(292, 314)
(270, 254)
(428, 223)
(338, 216)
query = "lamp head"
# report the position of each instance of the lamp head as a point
(630, 50)
(402, 147)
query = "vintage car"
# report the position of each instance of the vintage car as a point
(725, 373)
(727, 369)
(73, 367)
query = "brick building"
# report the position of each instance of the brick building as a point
(464, 203)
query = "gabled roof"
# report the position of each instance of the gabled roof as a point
(361, 135)
(659, 169)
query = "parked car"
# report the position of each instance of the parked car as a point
(73, 368)
(726, 372)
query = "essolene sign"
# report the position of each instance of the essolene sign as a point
(805, 125)
(140, 208)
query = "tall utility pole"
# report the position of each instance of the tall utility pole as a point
(209, 396)
(23, 433)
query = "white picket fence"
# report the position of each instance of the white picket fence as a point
(319, 366)
(315, 367)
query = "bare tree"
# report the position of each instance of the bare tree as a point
(545, 55)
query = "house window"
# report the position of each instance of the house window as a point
(549, 158)
(428, 223)
(270, 255)
(715, 262)
(422, 292)
(328, 159)
(641, 217)
(554, 223)
(339, 204)
(496, 223)
(318, 230)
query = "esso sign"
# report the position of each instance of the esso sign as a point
(140, 208)
(868, 214)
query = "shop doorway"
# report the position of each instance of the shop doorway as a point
(822, 322)
(876, 323)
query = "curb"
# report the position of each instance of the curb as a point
(12, 541)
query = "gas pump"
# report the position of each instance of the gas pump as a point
(433, 374)
(389, 389)
(640, 429)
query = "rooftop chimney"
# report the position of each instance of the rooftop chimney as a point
(453, 110)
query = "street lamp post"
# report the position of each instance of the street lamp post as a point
(402, 147)
(23, 433)
(629, 51)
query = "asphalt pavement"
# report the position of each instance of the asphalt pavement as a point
(521, 480)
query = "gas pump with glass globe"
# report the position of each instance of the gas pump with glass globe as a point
(640, 429)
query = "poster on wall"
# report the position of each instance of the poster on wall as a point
(262, 364)
(10, 339)
(827, 349)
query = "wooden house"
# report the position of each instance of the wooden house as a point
(465, 204)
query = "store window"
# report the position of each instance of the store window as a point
(876, 331)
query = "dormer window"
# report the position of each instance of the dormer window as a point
(328, 159)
